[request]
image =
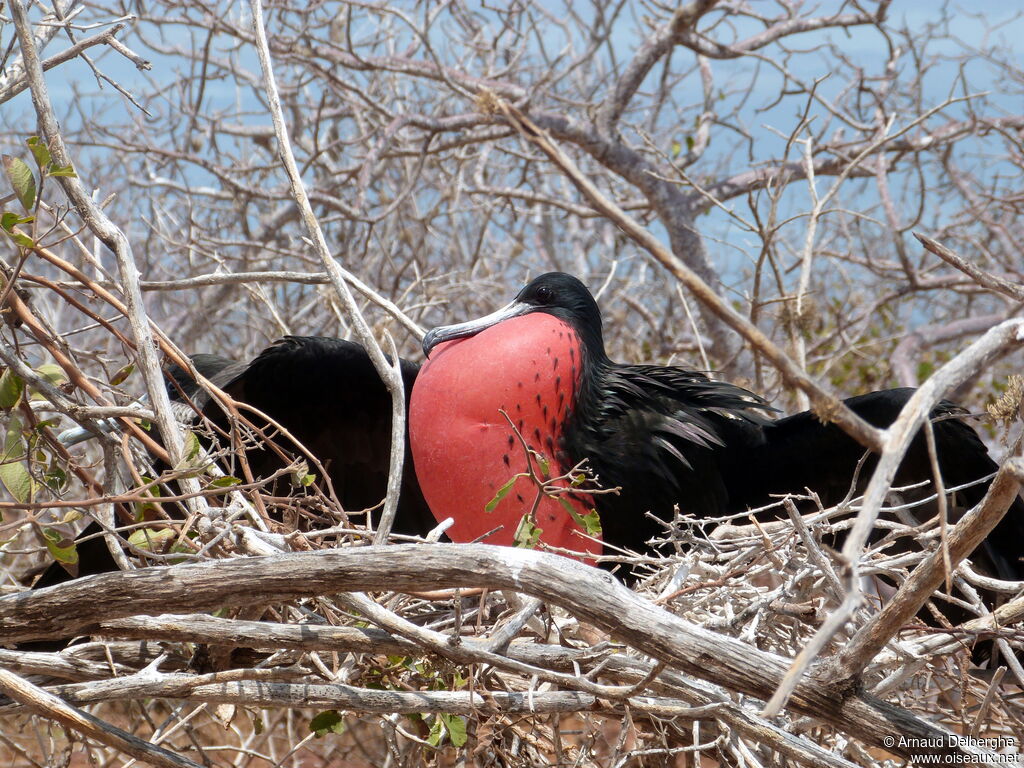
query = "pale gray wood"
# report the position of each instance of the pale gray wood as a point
(590, 594)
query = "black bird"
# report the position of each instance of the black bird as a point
(799, 452)
(663, 435)
(323, 391)
(327, 394)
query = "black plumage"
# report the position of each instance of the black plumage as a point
(327, 394)
(669, 436)
(323, 391)
(799, 452)
(663, 435)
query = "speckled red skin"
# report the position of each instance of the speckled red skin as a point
(465, 450)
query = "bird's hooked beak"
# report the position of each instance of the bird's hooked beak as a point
(473, 327)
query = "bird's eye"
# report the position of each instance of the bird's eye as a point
(544, 294)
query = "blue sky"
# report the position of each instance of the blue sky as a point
(74, 91)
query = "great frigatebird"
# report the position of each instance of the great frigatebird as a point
(533, 379)
(326, 393)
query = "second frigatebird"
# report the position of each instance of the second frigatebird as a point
(513, 402)
(326, 393)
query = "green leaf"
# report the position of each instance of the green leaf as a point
(9, 219)
(22, 180)
(456, 726)
(590, 522)
(141, 508)
(527, 534)
(690, 141)
(677, 148)
(56, 479)
(60, 546)
(53, 373)
(17, 480)
(40, 151)
(192, 448)
(14, 440)
(71, 516)
(501, 494)
(22, 239)
(436, 733)
(224, 482)
(11, 387)
(62, 170)
(122, 374)
(329, 721)
(545, 465)
(152, 540)
(300, 476)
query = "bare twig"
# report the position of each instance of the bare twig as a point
(963, 539)
(980, 276)
(55, 708)
(390, 371)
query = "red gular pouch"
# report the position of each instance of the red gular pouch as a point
(481, 409)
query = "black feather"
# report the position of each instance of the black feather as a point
(668, 436)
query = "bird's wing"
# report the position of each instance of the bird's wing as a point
(659, 433)
(801, 452)
(686, 408)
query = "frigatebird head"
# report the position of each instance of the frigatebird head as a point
(554, 293)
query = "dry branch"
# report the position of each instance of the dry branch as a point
(962, 539)
(389, 370)
(588, 593)
(57, 709)
(980, 276)
(200, 628)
